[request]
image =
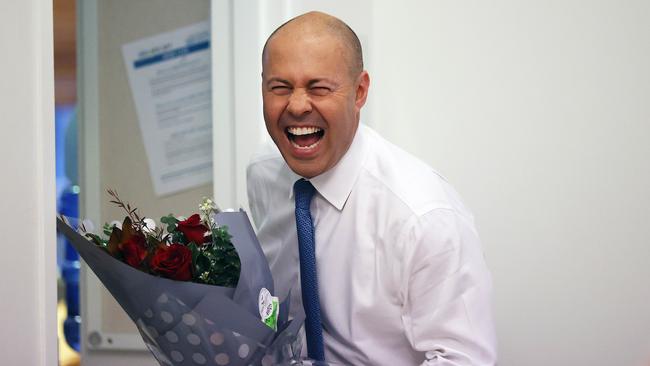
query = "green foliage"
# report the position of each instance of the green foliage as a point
(152, 242)
(170, 221)
(97, 239)
(175, 236)
(221, 236)
(178, 237)
(217, 263)
(108, 229)
(195, 252)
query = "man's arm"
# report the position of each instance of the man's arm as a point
(448, 305)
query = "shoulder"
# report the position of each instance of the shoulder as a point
(409, 180)
(268, 182)
(266, 155)
(267, 175)
(266, 165)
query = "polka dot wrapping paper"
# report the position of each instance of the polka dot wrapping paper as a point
(186, 323)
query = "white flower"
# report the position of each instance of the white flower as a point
(207, 205)
(117, 224)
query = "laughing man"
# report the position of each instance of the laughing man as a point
(375, 245)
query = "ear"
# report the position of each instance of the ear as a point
(363, 83)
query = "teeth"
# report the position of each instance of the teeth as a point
(298, 131)
(305, 147)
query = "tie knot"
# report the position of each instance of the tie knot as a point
(303, 191)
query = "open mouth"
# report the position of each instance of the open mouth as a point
(304, 137)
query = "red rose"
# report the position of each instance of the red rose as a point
(193, 229)
(174, 261)
(134, 250)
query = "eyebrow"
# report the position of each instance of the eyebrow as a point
(274, 79)
(315, 81)
(309, 83)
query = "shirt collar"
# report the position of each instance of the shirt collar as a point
(335, 185)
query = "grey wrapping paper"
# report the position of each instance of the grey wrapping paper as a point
(186, 323)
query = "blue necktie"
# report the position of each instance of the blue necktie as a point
(304, 191)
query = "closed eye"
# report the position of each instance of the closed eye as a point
(320, 90)
(280, 89)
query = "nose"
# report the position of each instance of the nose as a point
(299, 103)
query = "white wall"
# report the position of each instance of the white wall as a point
(27, 213)
(538, 113)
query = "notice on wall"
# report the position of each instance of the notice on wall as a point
(169, 75)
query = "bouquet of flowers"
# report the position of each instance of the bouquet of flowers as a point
(198, 289)
(193, 249)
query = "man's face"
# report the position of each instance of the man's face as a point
(311, 100)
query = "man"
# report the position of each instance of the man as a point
(374, 244)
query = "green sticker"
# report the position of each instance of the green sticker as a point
(269, 306)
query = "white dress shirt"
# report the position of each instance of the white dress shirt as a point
(401, 274)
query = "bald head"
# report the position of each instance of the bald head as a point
(321, 24)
